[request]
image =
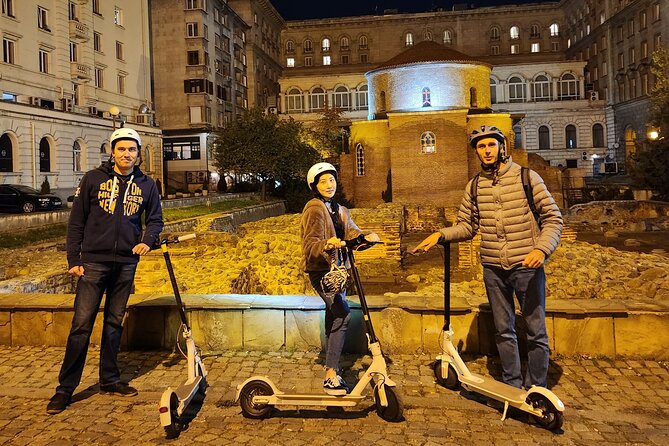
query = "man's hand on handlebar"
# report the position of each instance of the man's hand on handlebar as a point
(428, 243)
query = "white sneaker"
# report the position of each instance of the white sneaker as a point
(335, 386)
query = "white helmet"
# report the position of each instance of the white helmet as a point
(124, 133)
(486, 131)
(316, 170)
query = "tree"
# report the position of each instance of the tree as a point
(649, 166)
(265, 147)
(329, 134)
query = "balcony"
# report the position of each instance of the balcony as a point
(200, 71)
(80, 71)
(78, 31)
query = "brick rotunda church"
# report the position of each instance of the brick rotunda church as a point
(413, 149)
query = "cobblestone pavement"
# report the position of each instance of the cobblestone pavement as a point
(608, 402)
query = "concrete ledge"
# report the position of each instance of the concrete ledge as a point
(404, 324)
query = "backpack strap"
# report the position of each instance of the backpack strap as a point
(473, 191)
(527, 187)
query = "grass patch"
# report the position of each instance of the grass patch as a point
(174, 214)
(33, 236)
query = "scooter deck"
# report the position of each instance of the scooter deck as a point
(186, 390)
(310, 400)
(494, 389)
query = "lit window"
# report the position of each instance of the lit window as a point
(118, 16)
(359, 160)
(535, 47)
(408, 39)
(555, 30)
(428, 143)
(514, 33)
(448, 37)
(427, 101)
(290, 62)
(515, 48)
(326, 60)
(325, 45)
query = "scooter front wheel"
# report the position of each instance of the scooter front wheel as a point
(174, 428)
(450, 381)
(552, 418)
(251, 389)
(392, 412)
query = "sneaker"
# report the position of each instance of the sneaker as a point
(120, 389)
(335, 386)
(58, 403)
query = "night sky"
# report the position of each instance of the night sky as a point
(314, 9)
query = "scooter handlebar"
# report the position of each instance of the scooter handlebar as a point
(360, 243)
(183, 238)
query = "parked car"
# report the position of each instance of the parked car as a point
(26, 199)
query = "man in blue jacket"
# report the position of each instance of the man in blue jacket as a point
(104, 242)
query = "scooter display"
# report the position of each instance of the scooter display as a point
(258, 395)
(451, 372)
(174, 402)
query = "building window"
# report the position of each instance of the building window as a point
(598, 135)
(6, 148)
(342, 98)
(308, 46)
(494, 50)
(644, 84)
(555, 46)
(542, 88)
(554, 30)
(359, 160)
(535, 48)
(656, 11)
(76, 157)
(195, 116)
(43, 19)
(570, 136)
(494, 34)
(630, 28)
(644, 50)
(192, 29)
(290, 46)
(344, 59)
(362, 42)
(118, 16)
(8, 10)
(473, 100)
(516, 89)
(327, 60)
(44, 155)
(382, 101)
(193, 57)
(643, 20)
(428, 143)
(308, 61)
(72, 12)
(344, 44)
(427, 101)
(408, 39)
(544, 138)
(119, 50)
(515, 48)
(74, 52)
(514, 33)
(568, 87)
(99, 77)
(361, 97)
(8, 50)
(96, 7)
(294, 101)
(120, 83)
(181, 148)
(364, 58)
(534, 32)
(97, 42)
(44, 61)
(290, 62)
(493, 91)
(448, 37)
(325, 45)
(317, 99)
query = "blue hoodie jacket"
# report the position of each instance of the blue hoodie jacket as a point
(105, 222)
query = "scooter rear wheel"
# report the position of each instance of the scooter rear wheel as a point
(450, 381)
(251, 389)
(174, 428)
(552, 418)
(393, 412)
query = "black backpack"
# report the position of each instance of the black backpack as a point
(527, 187)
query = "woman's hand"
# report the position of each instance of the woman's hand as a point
(333, 243)
(428, 243)
(372, 237)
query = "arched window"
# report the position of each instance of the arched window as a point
(408, 39)
(516, 89)
(359, 160)
(493, 91)
(104, 154)
(290, 46)
(344, 43)
(362, 42)
(428, 143)
(568, 87)
(514, 33)
(448, 37)
(317, 99)
(555, 30)
(494, 33)
(325, 44)
(630, 142)
(294, 98)
(544, 137)
(308, 46)
(598, 135)
(6, 153)
(44, 155)
(473, 101)
(542, 88)
(76, 157)
(517, 136)
(427, 101)
(570, 136)
(342, 98)
(534, 32)
(427, 35)
(361, 97)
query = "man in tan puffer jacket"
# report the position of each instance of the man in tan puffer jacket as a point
(514, 247)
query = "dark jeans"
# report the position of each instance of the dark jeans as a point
(116, 279)
(337, 317)
(529, 286)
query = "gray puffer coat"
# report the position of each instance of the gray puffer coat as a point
(509, 231)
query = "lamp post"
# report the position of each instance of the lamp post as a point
(115, 113)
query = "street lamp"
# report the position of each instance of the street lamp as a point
(116, 113)
(653, 134)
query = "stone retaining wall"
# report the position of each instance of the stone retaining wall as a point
(622, 215)
(405, 325)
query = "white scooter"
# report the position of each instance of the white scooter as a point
(174, 402)
(258, 394)
(451, 371)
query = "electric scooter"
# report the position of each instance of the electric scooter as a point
(451, 372)
(258, 394)
(174, 402)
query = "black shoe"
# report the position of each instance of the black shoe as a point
(58, 403)
(120, 389)
(335, 386)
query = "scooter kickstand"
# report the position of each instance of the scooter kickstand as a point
(506, 407)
